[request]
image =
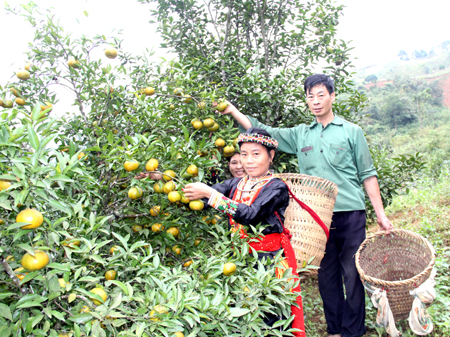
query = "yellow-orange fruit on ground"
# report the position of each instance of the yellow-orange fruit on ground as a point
(36, 262)
(31, 216)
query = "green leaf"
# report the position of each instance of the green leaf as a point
(59, 266)
(81, 318)
(5, 311)
(33, 138)
(237, 312)
(121, 285)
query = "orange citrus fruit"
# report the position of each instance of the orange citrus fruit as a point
(229, 269)
(177, 249)
(31, 216)
(157, 188)
(111, 53)
(4, 184)
(100, 292)
(73, 63)
(222, 106)
(111, 275)
(157, 227)
(208, 122)
(168, 175)
(149, 91)
(112, 249)
(193, 170)
(220, 142)
(228, 151)
(135, 193)
(187, 263)
(130, 165)
(213, 128)
(174, 231)
(196, 205)
(154, 211)
(197, 242)
(184, 200)
(81, 155)
(178, 91)
(23, 75)
(136, 228)
(20, 101)
(158, 309)
(201, 105)
(197, 125)
(152, 165)
(169, 187)
(173, 196)
(36, 262)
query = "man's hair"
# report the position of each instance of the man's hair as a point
(319, 79)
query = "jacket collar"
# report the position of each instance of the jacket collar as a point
(336, 121)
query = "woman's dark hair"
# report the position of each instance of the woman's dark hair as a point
(258, 131)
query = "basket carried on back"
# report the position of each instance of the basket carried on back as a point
(308, 238)
(397, 263)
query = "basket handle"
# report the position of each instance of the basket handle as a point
(310, 211)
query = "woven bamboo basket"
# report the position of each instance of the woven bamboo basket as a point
(398, 262)
(308, 238)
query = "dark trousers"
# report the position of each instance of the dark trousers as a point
(345, 314)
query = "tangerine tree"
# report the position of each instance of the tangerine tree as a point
(97, 238)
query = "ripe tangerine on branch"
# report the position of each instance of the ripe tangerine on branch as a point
(196, 205)
(229, 268)
(130, 165)
(36, 262)
(31, 216)
(100, 292)
(152, 165)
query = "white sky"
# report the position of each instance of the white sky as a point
(377, 29)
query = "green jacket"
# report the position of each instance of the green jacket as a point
(338, 153)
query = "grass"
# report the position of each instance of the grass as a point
(425, 210)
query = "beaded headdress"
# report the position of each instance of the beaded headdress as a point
(256, 138)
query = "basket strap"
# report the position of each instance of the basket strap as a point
(310, 211)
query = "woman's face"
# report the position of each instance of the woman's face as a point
(255, 159)
(235, 166)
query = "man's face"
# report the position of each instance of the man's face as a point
(320, 102)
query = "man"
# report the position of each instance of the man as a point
(334, 149)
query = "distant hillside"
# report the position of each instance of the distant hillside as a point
(436, 68)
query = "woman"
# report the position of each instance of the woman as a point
(258, 197)
(235, 166)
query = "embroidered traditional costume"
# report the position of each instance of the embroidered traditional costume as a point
(260, 200)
